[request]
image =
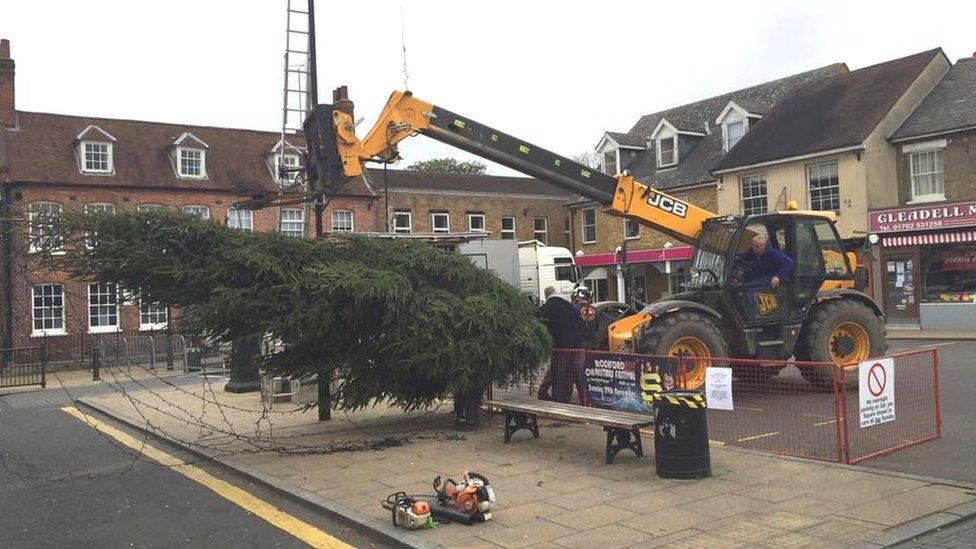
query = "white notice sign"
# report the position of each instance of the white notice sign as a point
(718, 388)
(876, 389)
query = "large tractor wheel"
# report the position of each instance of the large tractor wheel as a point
(842, 331)
(687, 334)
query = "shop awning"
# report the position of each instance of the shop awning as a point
(652, 255)
(926, 239)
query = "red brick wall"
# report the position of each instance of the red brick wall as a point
(367, 212)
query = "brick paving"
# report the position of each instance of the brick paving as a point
(553, 491)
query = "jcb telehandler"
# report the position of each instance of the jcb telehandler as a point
(818, 314)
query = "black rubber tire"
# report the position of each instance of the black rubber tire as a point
(814, 341)
(660, 333)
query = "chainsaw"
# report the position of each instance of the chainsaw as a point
(408, 511)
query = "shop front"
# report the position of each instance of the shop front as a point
(928, 265)
(654, 273)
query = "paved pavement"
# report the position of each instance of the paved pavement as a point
(62, 484)
(952, 456)
(961, 535)
(552, 491)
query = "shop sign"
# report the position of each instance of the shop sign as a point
(923, 218)
(959, 260)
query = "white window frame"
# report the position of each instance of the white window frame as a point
(32, 215)
(504, 232)
(152, 326)
(931, 197)
(616, 161)
(657, 148)
(44, 332)
(108, 328)
(402, 230)
(352, 221)
(809, 168)
(726, 146)
(584, 225)
(433, 223)
(109, 161)
(635, 224)
(242, 219)
(203, 163)
(484, 225)
(290, 161)
(149, 207)
(195, 210)
(300, 233)
(750, 179)
(100, 207)
(544, 231)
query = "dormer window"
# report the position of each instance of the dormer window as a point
(189, 156)
(288, 162)
(192, 162)
(735, 120)
(734, 132)
(665, 137)
(96, 157)
(95, 151)
(610, 164)
(667, 151)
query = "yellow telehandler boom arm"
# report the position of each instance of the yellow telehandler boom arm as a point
(336, 154)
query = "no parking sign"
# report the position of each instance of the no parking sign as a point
(876, 388)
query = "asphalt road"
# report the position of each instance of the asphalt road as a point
(63, 484)
(785, 415)
(952, 456)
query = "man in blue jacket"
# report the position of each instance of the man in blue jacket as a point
(769, 265)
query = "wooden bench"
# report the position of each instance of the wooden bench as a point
(622, 428)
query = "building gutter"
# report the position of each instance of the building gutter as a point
(849, 148)
(932, 134)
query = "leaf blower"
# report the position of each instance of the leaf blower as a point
(467, 502)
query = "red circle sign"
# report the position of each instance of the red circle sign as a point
(877, 379)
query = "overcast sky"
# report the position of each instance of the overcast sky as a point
(554, 73)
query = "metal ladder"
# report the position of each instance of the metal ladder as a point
(296, 99)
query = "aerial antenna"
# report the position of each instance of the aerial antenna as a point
(403, 45)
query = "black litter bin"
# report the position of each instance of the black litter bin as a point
(681, 436)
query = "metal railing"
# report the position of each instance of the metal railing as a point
(806, 409)
(22, 367)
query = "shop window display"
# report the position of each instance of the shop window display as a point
(949, 274)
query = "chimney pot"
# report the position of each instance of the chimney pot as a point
(4, 48)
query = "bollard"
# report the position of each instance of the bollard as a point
(681, 435)
(96, 364)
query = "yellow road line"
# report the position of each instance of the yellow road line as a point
(764, 435)
(714, 442)
(276, 517)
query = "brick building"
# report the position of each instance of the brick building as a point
(53, 162)
(928, 237)
(675, 151)
(433, 204)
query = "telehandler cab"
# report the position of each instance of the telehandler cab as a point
(819, 313)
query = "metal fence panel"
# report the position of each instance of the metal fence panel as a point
(775, 408)
(22, 367)
(918, 416)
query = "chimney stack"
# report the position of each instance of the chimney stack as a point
(341, 101)
(8, 116)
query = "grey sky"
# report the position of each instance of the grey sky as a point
(554, 73)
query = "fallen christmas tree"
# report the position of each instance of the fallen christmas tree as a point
(395, 319)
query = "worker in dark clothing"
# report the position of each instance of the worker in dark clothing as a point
(564, 325)
(768, 266)
(561, 319)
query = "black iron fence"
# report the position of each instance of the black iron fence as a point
(22, 367)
